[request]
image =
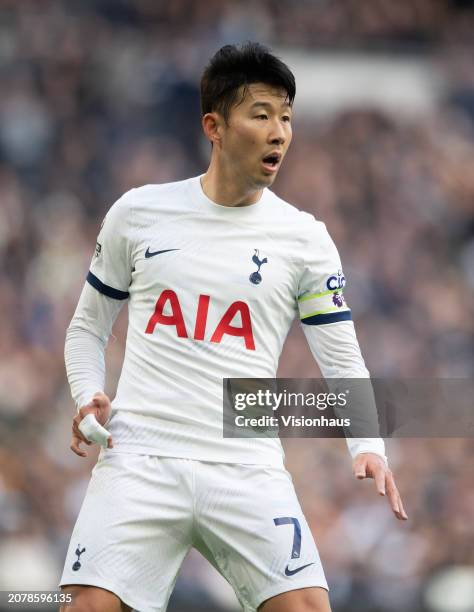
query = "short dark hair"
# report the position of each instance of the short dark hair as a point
(233, 66)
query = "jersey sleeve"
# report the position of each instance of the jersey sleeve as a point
(110, 271)
(86, 339)
(338, 355)
(321, 286)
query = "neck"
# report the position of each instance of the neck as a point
(223, 186)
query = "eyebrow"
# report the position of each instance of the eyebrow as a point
(268, 105)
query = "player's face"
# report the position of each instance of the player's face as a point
(257, 135)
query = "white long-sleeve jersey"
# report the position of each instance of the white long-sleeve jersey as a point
(212, 292)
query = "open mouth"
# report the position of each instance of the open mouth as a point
(271, 161)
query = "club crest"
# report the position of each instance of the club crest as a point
(77, 564)
(256, 277)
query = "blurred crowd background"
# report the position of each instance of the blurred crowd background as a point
(99, 96)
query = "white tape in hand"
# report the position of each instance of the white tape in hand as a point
(93, 430)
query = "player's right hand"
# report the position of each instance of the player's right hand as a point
(97, 412)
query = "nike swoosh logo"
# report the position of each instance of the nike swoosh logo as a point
(149, 253)
(289, 572)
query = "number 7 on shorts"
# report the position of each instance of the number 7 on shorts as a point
(291, 520)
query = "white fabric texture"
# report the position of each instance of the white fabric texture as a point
(86, 339)
(130, 540)
(337, 352)
(212, 292)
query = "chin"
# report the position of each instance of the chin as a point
(266, 180)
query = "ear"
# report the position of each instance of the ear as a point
(212, 127)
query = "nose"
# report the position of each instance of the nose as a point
(277, 135)
(278, 140)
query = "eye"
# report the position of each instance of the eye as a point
(286, 118)
(261, 117)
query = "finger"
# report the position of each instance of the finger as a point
(394, 505)
(360, 468)
(78, 434)
(110, 443)
(393, 496)
(404, 515)
(100, 395)
(94, 431)
(401, 514)
(101, 408)
(379, 477)
(100, 399)
(84, 411)
(75, 447)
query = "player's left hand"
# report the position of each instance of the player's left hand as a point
(371, 465)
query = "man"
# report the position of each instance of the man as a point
(214, 269)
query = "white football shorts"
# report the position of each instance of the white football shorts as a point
(141, 515)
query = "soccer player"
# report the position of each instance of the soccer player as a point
(214, 270)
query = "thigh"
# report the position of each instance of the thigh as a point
(312, 599)
(92, 599)
(133, 530)
(249, 521)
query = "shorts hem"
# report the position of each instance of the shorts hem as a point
(285, 587)
(109, 586)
